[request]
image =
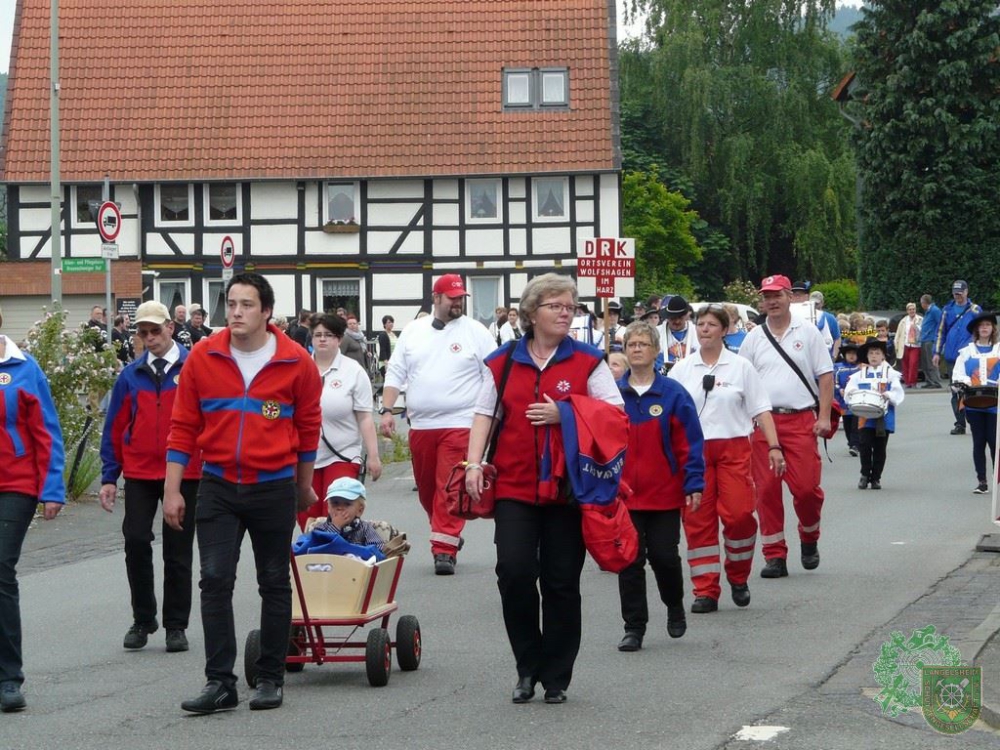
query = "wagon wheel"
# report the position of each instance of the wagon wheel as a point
(251, 652)
(408, 643)
(378, 657)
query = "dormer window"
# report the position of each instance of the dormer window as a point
(535, 88)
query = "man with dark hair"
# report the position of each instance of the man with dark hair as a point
(121, 337)
(299, 330)
(249, 401)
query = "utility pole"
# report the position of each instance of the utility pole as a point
(54, 155)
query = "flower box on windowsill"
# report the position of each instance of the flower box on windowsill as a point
(333, 227)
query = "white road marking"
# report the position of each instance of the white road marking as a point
(758, 733)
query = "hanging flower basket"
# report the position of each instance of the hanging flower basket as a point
(335, 227)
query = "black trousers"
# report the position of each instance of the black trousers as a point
(850, 423)
(659, 534)
(984, 432)
(142, 498)
(872, 449)
(267, 512)
(540, 550)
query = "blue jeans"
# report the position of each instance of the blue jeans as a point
(16, 512)
(267, 512)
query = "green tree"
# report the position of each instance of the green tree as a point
(733, 99)
(661, 223)
(928, 80)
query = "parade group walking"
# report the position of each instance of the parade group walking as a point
(248, 431)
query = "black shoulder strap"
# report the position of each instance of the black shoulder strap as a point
(494, 428)
(790, 361)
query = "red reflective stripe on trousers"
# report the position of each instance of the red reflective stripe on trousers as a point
(803, 469)
(729, 498)
(433, 454)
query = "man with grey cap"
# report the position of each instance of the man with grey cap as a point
(678, 337)
(134, 444)
(952, 337)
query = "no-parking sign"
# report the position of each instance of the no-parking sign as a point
(228, 254)
(109, 221)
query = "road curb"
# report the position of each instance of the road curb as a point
(982, 636)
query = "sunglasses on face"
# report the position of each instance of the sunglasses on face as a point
(144, 332)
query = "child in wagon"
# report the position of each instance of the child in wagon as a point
(343, 531)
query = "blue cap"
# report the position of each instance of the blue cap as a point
(346, 489)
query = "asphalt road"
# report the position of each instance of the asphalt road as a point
(799, 658)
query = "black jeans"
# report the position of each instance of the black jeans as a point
(267, 512)
(872, 448)
(16, 512)
(984, 433)
(850, 423)
(142, 498)
(541, 547)
(659, 534)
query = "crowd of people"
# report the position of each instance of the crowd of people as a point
(722, 412)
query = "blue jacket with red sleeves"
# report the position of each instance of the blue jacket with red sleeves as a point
(138, 422)
(664, 462)
(31, 445)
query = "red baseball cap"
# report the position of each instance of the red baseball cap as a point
(450, 285)
(775, 284)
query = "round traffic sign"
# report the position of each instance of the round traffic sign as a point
(109, 221)
(228, 252)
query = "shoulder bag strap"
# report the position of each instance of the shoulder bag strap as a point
(790, 361)
(494, 428)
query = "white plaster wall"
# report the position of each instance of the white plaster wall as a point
(321, 243)
(313, 211)
(518, 242)
(284, 293)
(212, 246)
(445, 244)
(584, 185)
(443, 189)
(446, 215)
(610, 210)
(551, 240)
(516, 187)
(396, 189)
(397, 286)
(393, 214)
(517, 283)
(584, 211)
(275, 200)
(35, 194)
(271, 239)
(155, 244)
(379, 243)
(517, 213)
(35, 219)
(484, 241)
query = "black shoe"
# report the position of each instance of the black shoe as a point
(215, 697)
(138, 635)
(876, 484)
(957, 431)
(982, 489)
(555, 696)
(176, 641)
(461, 543)
(444, 565)
(268, 695)
(863, 483)
(774, 568)
(11, 697)
(631, 641)
(852, 451)
(741, 594)
(810, 551)
(524, 690)
(676, 621)
(704, 604)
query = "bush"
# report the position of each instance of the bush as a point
(79, 376)
(741, 292)
(839, 296)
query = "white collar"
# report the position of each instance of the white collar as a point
(11, 350)
(335, 365)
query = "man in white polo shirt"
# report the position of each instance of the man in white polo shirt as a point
(796, 421)
(440, 360)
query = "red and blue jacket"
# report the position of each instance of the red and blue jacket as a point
(138, 422)
(526, 471)
(31, 449)
(665, 460)
(246, 435)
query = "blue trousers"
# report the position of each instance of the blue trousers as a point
(16, 512)
(984, 433)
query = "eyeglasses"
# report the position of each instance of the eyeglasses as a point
(558, 307)
(144, 332)
(638, 345)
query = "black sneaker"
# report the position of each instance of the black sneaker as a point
(704, 604)
(775, 568)
(676, 621)
(876, 484)
(810, 551)
(957, 431)
(982, 489)
(138, 635)
(11, 697)
(741, 594)
(863, 483)
(176, 641)
(268, 695)
(444, 565)
(852, 451)
(215, 697)
(631, 641)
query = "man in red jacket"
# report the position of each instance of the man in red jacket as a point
(249, 400)
(135, 444)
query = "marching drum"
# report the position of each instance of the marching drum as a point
(867, 404)
(980, 396)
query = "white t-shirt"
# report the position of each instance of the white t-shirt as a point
(673, 348)
(250, 363)
(507, 333)
(803, 342)
(346, 390)
(727, 411)
(442, 370)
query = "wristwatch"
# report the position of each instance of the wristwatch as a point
(383, 410)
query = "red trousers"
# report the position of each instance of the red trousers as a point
(911, 364)
(728, 497)
(434, 453)
(802, 475)
(321, 481)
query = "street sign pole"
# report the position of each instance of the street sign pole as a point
(54, 177)
(110, 311)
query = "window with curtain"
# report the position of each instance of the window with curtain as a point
(223, 202)
(484, 298)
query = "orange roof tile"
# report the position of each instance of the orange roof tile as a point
(155, 90)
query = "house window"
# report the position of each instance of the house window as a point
(172, 293)
(484, 298)
(83, 197)
(482, 200)
(216, 302)
(536, 88)
(174, 204)
(345, 293)
(222, 203)
(550, 198)
(341, 206)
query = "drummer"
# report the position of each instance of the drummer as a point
(845, 366)
(978, 366)
(873, 432)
